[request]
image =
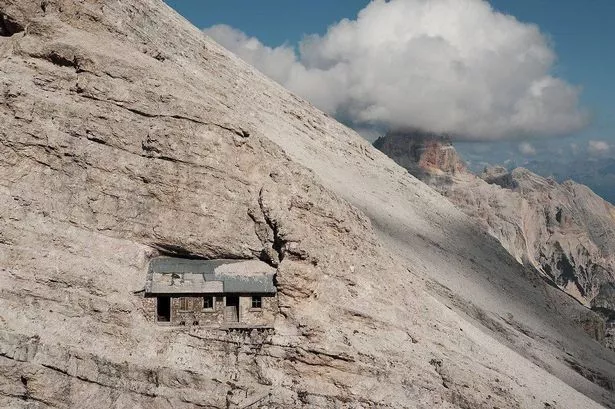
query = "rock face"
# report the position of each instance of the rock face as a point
(565, 231)
(126, 134)
(422, 152)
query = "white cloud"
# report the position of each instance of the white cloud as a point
(527, 149)
(598, 148)
(452, 66)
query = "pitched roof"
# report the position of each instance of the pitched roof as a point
(168, 275)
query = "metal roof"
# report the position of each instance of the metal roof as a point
(167, 275)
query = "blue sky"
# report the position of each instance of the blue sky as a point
(272, 21)
(580, 33)
(583, 34)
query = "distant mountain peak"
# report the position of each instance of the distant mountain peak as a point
(422, 151)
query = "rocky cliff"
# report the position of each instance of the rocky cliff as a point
(422, 153)
(565, 231)
(126, 134)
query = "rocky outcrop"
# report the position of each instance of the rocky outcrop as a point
(498, 175)
(420, 152)
(597, 173)
(127, 134)
(565, 231)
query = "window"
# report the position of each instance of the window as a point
(257, 302)
(183, 304)
(208, 302)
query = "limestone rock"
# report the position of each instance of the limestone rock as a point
(127, 134)
(421, 151)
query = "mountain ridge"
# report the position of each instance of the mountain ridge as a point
(565, 231)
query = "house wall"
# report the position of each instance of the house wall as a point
(149, 308)
(262, 316)
(194, 313)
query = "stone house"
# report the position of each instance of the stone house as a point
(211, 293)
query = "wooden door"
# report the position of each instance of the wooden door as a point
(231, 309)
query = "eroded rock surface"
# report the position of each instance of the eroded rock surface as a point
(127, 134)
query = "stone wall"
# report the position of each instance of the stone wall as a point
(192, 312)
(261, 316)
(149, 308)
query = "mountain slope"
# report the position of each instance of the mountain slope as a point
(565, 231)
(127, 134)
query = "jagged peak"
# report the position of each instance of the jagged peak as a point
(422, 151)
